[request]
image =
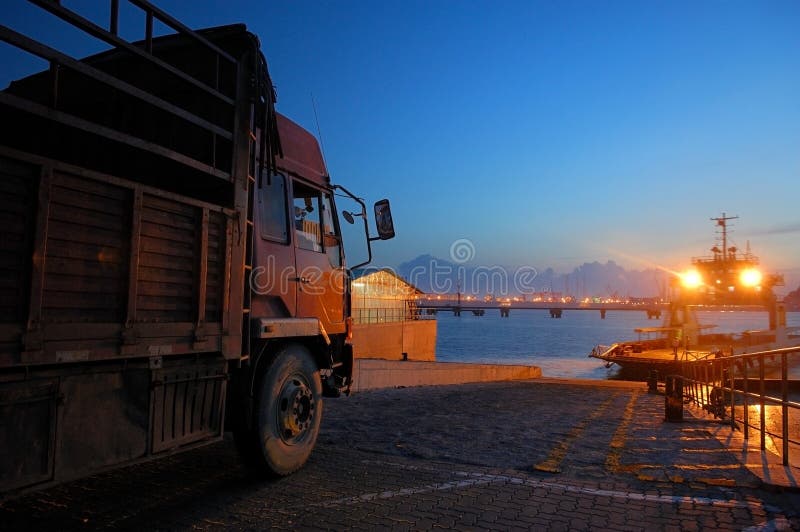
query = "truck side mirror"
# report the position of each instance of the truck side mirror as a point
(383, 219)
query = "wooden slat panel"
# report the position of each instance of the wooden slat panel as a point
(102, 220)
(83, 284)
(90, 204)
(77, 233)
(11, 224)
(202, 273)
(8, 295)
(167, 248)
(12, 185)
(167, 233)
(164, 275)
(164, 289)
(166, 205)
(75, 250)
(91, 269)
(155, 260)
(183, 306)
(11, 204)
(88, 239)
(6, 282)
(82, 301)
(9, 258)
(215, 266)
(167, 219)
(18, 199)
(74, 316)
(92, 187)
(168, 260)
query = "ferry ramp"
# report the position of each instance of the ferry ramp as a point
(540, 454)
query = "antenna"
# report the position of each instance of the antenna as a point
(723, 222)
(319, 131)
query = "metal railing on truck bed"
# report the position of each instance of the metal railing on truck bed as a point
(138, 106)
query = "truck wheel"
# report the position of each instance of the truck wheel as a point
(288, 411)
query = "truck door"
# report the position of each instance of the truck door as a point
(274, 275)
(318, 257)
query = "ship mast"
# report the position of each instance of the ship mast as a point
(723, 222)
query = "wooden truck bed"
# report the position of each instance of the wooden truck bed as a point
(95, 267)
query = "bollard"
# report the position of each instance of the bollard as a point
(673, 398)
(652, 381)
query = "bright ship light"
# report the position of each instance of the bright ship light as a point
(691, 279)
(750, 277)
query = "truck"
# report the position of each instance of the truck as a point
(171, 257)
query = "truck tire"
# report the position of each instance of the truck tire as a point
(287, 414)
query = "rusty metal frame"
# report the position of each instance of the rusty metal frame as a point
(114, 40)
(59, 59)
(91, 127)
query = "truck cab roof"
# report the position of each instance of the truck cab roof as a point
(301, 154)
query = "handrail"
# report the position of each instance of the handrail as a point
(722, 387)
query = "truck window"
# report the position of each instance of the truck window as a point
(330, 233)
(307, 217)
(274, 222)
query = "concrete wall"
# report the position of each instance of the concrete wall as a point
(374, 374)
(390, 340)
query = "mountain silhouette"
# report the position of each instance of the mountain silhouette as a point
(595, 279)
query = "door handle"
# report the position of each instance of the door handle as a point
(304, 280)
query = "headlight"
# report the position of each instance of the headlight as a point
(750, 277)
(691, 279)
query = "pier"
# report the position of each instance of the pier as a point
(556, 310)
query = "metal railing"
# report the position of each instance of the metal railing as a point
(388, 315)
(754, 392)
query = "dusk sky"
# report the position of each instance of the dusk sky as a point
(545, 133)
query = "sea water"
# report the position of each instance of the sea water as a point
(560, 347)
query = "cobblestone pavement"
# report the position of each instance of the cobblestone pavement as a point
(506, 456)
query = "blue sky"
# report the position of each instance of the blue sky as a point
(546, 133)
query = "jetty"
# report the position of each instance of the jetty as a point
(556, 309)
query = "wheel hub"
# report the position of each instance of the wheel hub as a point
(295, 409)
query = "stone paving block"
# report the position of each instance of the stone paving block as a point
(373, 468)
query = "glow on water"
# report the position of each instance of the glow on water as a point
(560, 346)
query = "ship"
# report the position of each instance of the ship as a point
(728, 279)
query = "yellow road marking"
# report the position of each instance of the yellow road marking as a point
(618, 440)
(553, 462)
